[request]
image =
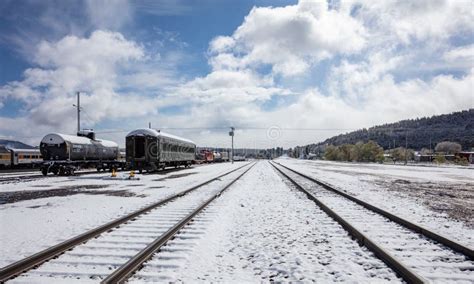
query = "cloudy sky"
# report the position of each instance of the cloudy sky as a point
(284, 73)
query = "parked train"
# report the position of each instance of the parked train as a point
(19, 158)
(206, 156)
(63, 154)
(149, 149)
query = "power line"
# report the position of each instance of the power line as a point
(237, 128)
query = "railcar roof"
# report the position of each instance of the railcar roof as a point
(155, 133)
(56, 138)
(25, 150)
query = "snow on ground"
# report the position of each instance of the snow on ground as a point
(439, 198)
(262, 229)
(18, 173)
(40, 213)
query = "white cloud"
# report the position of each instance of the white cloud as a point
(461, 57)
(109, 14)
(109, 47)
(291, 39)
(227, 88)
(385, 53)
(93, 65)
(411, 21)
(359, 63)
(30, 22)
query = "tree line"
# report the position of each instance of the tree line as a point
(414, 133)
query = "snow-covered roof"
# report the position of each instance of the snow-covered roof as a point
(108, 143)
(58, 138)
(24, 150)
(155, 133)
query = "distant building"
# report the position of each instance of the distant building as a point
(469, 155)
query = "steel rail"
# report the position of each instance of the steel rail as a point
(36, 259)
(38, 176)
(455, 246)
(126, 270)
(403, 271)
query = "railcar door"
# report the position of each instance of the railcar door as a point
(139, 147)
(129, 145)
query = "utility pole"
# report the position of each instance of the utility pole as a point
(231, 134)
(431, 147)
(406, 147)
(78, 111)
(78, 106)
(149, 124)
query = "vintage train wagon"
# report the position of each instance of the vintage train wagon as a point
(63, 154)
(5, 157)
(221, 156)
(19, 158)
(26, 157)
(149, 149)
(208, 156)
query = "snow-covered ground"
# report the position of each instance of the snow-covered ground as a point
(39, 213)
(439, 198)
(97, 258)
(262, 229)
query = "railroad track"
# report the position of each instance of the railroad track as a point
(112, 252)
(416, 254)
(7, 179)
(38, 176)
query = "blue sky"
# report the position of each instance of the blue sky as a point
(196, 67)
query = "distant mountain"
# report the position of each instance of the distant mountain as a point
(15, 144)
(456, 127)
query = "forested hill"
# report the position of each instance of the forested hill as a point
(456, 127)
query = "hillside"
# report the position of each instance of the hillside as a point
(456, 127)
(15, 144)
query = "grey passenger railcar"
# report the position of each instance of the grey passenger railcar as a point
(149, 149)
(26, 157)
(5, 157)
(65, 153)
(19, 158)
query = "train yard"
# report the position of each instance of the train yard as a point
(249, 221)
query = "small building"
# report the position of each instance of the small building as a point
(469, 155)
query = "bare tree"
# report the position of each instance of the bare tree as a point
(448, 147)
